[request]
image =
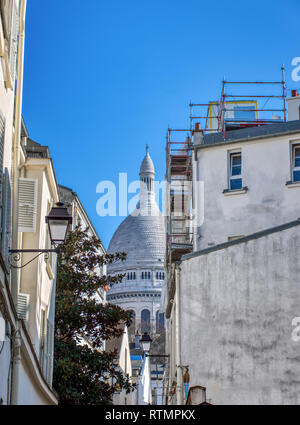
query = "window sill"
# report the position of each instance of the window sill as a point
(291, 184)
(228, 192)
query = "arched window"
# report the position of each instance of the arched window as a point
(157, 321)
(142, 275)
(160, 321)
(145, 321)
(131, 328)
(149, 275)
(134, 277)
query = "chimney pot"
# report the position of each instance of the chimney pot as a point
(295, 93)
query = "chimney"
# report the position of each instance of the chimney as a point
(293, 103)
(197, 126)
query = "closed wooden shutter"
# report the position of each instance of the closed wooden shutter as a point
(6, 217)
(23, 306)
(27, 205)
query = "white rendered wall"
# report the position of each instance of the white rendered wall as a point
(266, 167)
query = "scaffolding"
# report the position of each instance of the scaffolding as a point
(235, 110)
(178, 199)
(231, 112)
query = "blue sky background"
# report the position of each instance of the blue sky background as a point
(103, 78)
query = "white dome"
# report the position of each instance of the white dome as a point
(142, 234)
(147, 166)
(142, 238)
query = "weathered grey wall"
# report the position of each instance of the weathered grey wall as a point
(237, 305)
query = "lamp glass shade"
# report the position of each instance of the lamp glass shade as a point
(58, 222)
(146, 345)
(145, 342)
(58, 230)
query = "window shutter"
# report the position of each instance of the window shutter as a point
(14, 44)
(23, 306)
(27, 205)
(6, 217)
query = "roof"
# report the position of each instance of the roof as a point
(244, 239)
(250, 133)
(36, 150)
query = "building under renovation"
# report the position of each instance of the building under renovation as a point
(233, 244)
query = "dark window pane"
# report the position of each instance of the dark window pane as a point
(236, 160)
(235, 184)
(161, 321)
(296, 176)
(236, 164)
(236, 170)
(145, 321)
(297, 157)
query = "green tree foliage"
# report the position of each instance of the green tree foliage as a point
(84, 374)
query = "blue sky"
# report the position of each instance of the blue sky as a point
(102, 79)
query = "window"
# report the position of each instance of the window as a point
(296, 163)
(145, 321)
(131, 276)
(160, 321)
(235, 172)
(131, 328)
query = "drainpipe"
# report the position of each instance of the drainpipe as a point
(16, 143)
(177, 347)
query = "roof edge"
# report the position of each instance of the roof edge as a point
(245, 239)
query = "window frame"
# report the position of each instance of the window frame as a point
(232, 154)
(294, 146)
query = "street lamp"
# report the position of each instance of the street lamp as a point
(58, 222)
(145, 341)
